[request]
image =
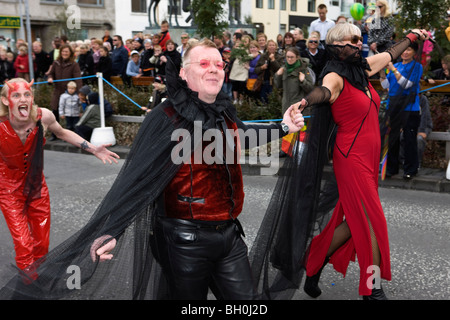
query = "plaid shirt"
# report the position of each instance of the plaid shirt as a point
(381, 30)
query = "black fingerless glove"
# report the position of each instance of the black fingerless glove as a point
(318, 95)
(397, 49)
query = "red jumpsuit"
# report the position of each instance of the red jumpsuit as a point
(356, 159)
(29, 227)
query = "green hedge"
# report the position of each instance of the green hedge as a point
(249, 110)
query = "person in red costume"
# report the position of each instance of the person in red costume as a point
(24, 196)
(164, 34)
(358, 225)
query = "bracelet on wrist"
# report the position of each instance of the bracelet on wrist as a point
(412, 36)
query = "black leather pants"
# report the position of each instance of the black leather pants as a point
(198, 256)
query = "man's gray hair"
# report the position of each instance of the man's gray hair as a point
(192, 43)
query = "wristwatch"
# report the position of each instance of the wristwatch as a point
(285, 127)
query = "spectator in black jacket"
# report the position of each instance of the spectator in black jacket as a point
(42, 60)
(6, 68)
(105, 64)
(147, 68)
(317, 56)
(86, 62)
(172, 53)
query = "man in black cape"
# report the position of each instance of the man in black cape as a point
(162, 212)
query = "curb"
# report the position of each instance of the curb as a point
(432, 180)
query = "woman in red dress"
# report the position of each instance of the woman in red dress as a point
(358, 225)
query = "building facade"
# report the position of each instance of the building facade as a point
(77, 19)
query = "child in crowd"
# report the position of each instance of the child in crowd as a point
(165, 35)
(133, 69)
(159, 94)
(69, 106)
(154, 60)
(21, 63)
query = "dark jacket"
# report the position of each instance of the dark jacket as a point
(145, 63)
(42, 63)
(105, 66)
(119, 58)
(7, 71)
(86, 63)
(316, 61)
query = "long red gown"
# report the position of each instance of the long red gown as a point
(356, 159)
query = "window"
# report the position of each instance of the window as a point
(52, 1)
(293, 5)
(335, 3)
(96, 3)
(259, 3)
(139, 6)
(176, 11)
(283, 4)
(271, 4)
(311, 5)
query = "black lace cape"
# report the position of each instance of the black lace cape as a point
(306, 191)
(125, 213)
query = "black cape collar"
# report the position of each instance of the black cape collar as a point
(348, 62)
(189, 106)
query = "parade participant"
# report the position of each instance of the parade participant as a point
(182, 215)
(24, 196)
(358, 225)
(344, 123)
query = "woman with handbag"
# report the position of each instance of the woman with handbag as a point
(253, 81)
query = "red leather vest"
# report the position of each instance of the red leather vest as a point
(210, 192)
(14, 156)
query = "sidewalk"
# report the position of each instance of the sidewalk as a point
(432, 180)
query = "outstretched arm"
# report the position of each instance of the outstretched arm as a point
(329, 91)
(49, 122)
(379, 61)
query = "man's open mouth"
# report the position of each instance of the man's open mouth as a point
(23, 110)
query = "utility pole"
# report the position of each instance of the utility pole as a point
(29, 40)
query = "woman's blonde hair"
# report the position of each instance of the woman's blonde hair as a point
(4, 109)
(340, 31)
(313, 36)
(385, 3)
(253, 43)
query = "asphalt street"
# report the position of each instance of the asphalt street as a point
(418, 222)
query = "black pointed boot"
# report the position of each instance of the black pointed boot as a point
(311, 286)
(377, 294)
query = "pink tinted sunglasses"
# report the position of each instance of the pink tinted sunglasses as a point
(205, 63)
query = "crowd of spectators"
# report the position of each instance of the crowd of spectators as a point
(255, 65)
